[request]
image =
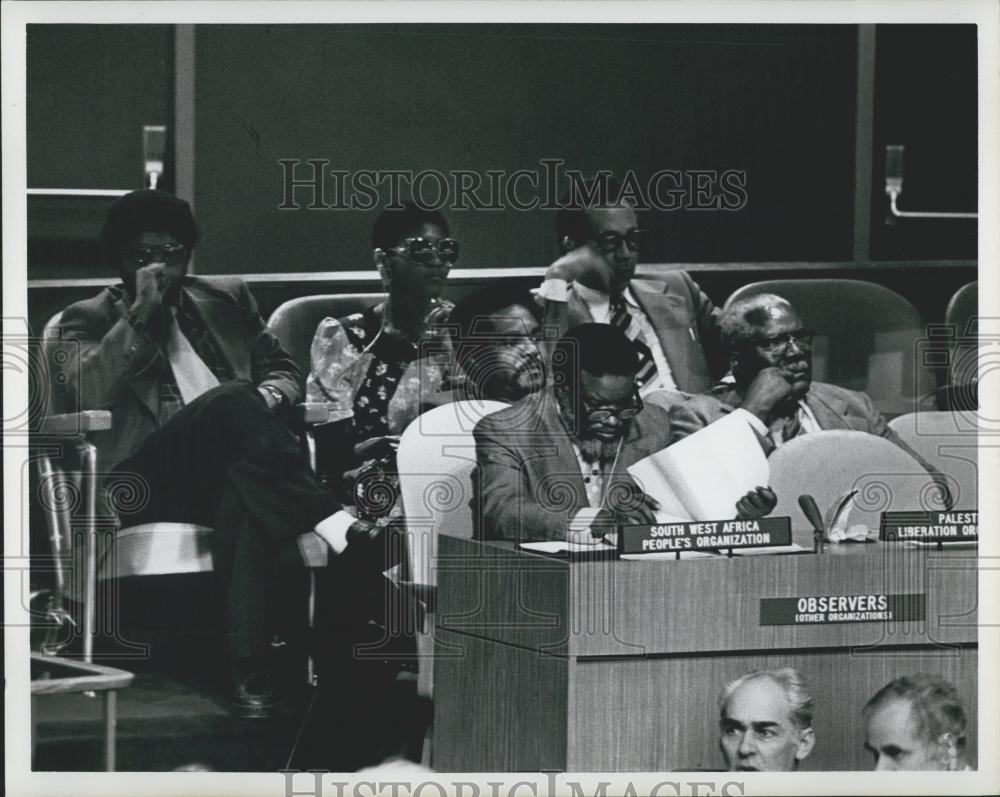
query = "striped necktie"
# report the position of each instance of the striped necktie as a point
(193, 377)
(622, 319)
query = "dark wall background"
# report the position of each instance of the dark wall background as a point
(90, 89)
(926, 99)
(774, 101)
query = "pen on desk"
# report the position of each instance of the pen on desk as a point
(691, 333)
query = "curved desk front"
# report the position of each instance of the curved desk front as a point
(598, 665)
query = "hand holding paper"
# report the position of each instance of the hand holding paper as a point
(706, 475)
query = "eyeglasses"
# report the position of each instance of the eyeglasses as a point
(422, 251)
(776, 344)
(599, 414)
(609, 242)
(168, 254)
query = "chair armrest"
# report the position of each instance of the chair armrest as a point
(74, 424)
(311, 413)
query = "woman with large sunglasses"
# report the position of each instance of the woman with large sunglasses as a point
(375, 370)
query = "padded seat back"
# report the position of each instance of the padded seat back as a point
(868, 338)
(437, 453)
(828, 465)
(950, 442)
(294, 322)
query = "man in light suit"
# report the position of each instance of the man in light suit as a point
(673, 323)
(770, 359)
(553, 466)
(198, 390)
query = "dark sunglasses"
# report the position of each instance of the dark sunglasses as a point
(774, 344)
(422, 251)
(600, 414)
(609, 242)
(168, 254)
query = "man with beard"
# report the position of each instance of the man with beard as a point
(496, 335)
(770, 357)
(198, 389)
(765, 722)
(554, 464)
(673, 324)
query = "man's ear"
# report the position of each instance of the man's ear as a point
(567, 244)
(948, 751)
(807, 740)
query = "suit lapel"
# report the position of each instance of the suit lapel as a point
(670, 318)
(555, 461)
(829, 411)
(218, 316)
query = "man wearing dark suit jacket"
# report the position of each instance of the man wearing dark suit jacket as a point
(197, 388)
(771, 383)
(553, 466)
(673, 323)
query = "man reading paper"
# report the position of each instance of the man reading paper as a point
(553, 466)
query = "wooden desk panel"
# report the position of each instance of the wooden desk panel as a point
(544, 663)
(609, 608)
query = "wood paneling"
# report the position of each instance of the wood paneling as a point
(633, 608)
(497, 708)
(616, 666)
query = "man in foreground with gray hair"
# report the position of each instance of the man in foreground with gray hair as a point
(765, 721)
(916, 722)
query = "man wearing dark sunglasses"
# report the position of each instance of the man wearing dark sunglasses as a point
(197, 387)
(673, 324)
(770, 356)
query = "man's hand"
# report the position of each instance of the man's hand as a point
(644, 513)
(756, 504)
(585, 266)
(768, 389)
(151, 283)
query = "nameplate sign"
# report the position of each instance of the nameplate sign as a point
(954, 526)
(710, 535)
(826, 609)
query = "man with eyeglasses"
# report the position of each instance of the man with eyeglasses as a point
(553, 466)
(770, 358)
(198, 389)
(673, 324)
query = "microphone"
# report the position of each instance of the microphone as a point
(808, 506)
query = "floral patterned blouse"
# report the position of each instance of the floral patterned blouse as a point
(379, 381)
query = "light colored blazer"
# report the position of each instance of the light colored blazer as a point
(684, 319)
(527, 484)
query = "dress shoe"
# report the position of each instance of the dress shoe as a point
(253, 694)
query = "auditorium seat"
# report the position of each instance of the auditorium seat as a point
(962, 324)
(436, 456)
(828, 465)
(294, 322)
(868, 338)
(949, 441)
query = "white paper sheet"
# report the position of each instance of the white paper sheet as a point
(562, 546)
(703, 476)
